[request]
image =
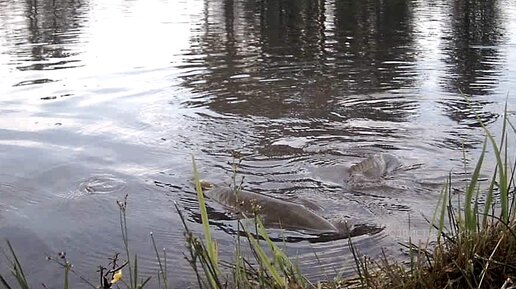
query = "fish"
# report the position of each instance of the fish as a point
(284, 214)
(374, 166)
(274, 212)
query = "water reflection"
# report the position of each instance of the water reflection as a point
(49, 28)
(474, 58)
(293, 28)
(473, 46)
(376, 40)
(295, 62)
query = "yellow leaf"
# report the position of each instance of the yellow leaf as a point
(116, 277)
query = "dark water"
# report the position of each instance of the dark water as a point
(99, 99)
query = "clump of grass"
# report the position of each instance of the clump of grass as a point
(479, 248)
(476, 244)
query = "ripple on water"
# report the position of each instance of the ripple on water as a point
(335, 257)
(16, 195)
(96, 184)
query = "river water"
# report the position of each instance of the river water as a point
(99, 99)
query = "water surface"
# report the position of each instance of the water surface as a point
(99, 100)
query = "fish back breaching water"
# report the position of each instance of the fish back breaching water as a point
(273, 211)
(285, 214)
(375, 166)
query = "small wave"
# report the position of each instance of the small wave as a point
(97, 184)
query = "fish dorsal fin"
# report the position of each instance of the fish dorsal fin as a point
(306, 203)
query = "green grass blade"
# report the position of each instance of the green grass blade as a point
(163, 269)
(502, 180)
(135, 274)
(123, 229)
(440, 210)
(145, 282)
(17, 270)
(21, 281)
(512, 185)
(204, 214)
(211, 246)
(502, 177)
(502, 171)
(16, 261)
(165, 274)
(358, 263)
(489, 201)
(4, 282)
(265, 261)
(469, 213)
(66, 284)
(281, 258)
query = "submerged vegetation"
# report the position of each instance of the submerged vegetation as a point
(475, 245)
